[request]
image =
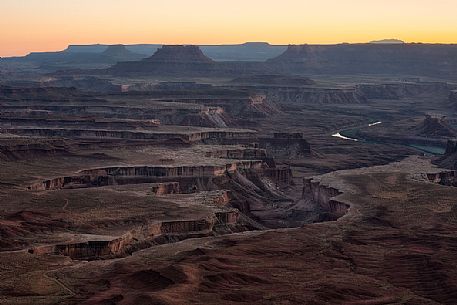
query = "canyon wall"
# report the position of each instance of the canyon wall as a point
(447, 178)
(281, 174)
(436, 127)
(189, 176)
(165, 188)
(304, 95)
(212, 136)
(245, 153)
(324, 197)
(136, 239)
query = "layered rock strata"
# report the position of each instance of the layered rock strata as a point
(188, 176)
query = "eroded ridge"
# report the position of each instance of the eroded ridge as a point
(373, 244)
(241, 196)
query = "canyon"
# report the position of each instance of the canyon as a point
(234, 174)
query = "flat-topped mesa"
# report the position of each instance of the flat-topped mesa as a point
(397, 59)
(287, 95)
(387, 41)
(186, 59)
(190, 178)
(179, 54)
(100, 247)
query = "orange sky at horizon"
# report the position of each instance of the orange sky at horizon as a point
(50, 25)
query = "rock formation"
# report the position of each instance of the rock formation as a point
(166, 188)
(170, 168)
(143, 49)
(145, 174)
(183, 54)
(106, 247)
(120, 53)
(302, 95)
(324, 197)
(447, 178)
(249, 51)
(76, 57)
(397, 59)
(387, 41)
(173, 59)
(436, 127)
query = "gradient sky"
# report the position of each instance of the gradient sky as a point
(44, 25)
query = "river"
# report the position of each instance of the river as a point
(428, 149)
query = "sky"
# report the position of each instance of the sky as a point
(49, 25)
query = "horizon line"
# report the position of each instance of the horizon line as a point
(379, 42)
